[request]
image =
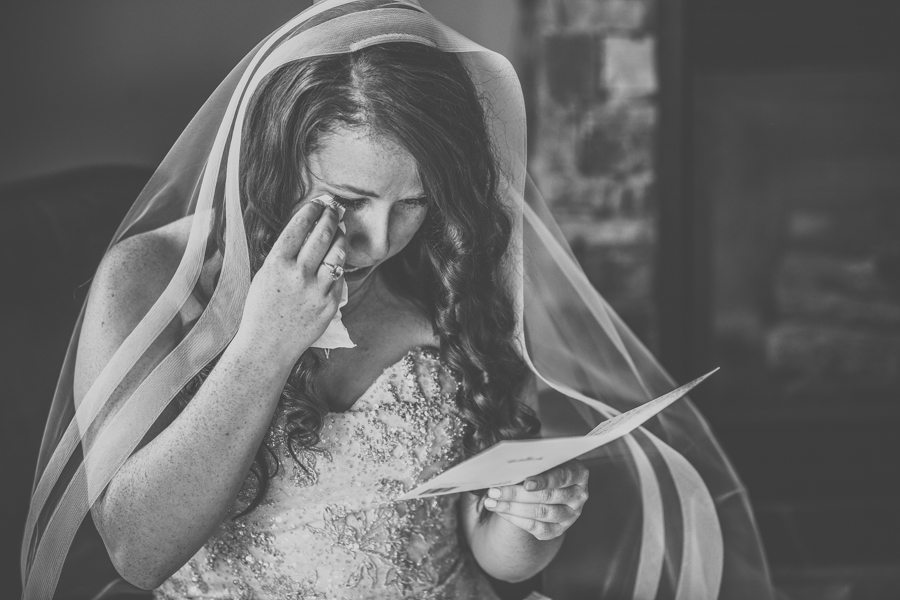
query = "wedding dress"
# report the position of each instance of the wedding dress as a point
(678, 523)
(330, 528)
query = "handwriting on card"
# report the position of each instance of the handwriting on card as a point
(511, 462)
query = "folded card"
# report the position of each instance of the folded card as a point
(511, 462)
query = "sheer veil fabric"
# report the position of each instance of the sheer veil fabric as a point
(683, 525)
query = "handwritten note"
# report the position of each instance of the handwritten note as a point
(512, 462)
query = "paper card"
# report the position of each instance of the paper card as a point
(511, 462)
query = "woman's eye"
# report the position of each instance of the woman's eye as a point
(423, 201)
(349, 203)
(356, 203)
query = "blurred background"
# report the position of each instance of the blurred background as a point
(727, 172)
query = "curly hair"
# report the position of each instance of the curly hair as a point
(425, 101)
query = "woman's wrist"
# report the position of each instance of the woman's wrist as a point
(255, 351)
(504, 551)
(513, 554)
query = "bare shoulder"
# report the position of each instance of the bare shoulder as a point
(136, 270)
(129, 280)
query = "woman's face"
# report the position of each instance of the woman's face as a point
(377, 181)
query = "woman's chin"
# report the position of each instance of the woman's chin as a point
(356, 278)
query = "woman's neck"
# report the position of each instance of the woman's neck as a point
(358, 293)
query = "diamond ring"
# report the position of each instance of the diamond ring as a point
(336, 271)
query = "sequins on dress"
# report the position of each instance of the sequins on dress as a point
(332, 529)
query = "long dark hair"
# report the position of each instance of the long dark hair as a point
(425, 101)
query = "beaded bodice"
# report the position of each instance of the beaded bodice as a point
(329, 528)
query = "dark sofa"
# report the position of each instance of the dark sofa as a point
(55, 230)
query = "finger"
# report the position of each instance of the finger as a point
(546, 513)
(566, 474)
(539, 529)
(291, 238)
(574, 495)
(335, 256)
(320, 239)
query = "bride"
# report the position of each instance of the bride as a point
(316, 305)
(420, 256)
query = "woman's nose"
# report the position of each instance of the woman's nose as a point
(370, 234)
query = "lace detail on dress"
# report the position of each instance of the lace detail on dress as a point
(333, 530)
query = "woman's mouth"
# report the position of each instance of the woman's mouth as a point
(354, 273)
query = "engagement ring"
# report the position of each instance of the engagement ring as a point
(336, 271)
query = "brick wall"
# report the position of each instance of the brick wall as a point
(800, 174)
(836, 327)
(591, 81)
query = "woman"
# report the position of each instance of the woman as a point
(421, 256)
(275, 471)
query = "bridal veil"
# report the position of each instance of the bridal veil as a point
(682, 527)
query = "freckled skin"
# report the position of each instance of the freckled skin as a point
(381, 226)
(382, 326)
(169, 497)
(173, 492)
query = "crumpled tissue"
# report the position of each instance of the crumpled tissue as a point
(336, 335)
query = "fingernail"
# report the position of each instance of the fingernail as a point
(321, 201)
(328, 200)
(531, 485)
(494, 493)
(490, 503)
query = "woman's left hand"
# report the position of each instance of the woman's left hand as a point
(545, 505)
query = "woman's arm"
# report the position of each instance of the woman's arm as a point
(523, 528)
(525, 524)
(169, 496)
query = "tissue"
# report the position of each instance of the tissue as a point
(336, 335)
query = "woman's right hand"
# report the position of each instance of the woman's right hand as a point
(293, 296)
